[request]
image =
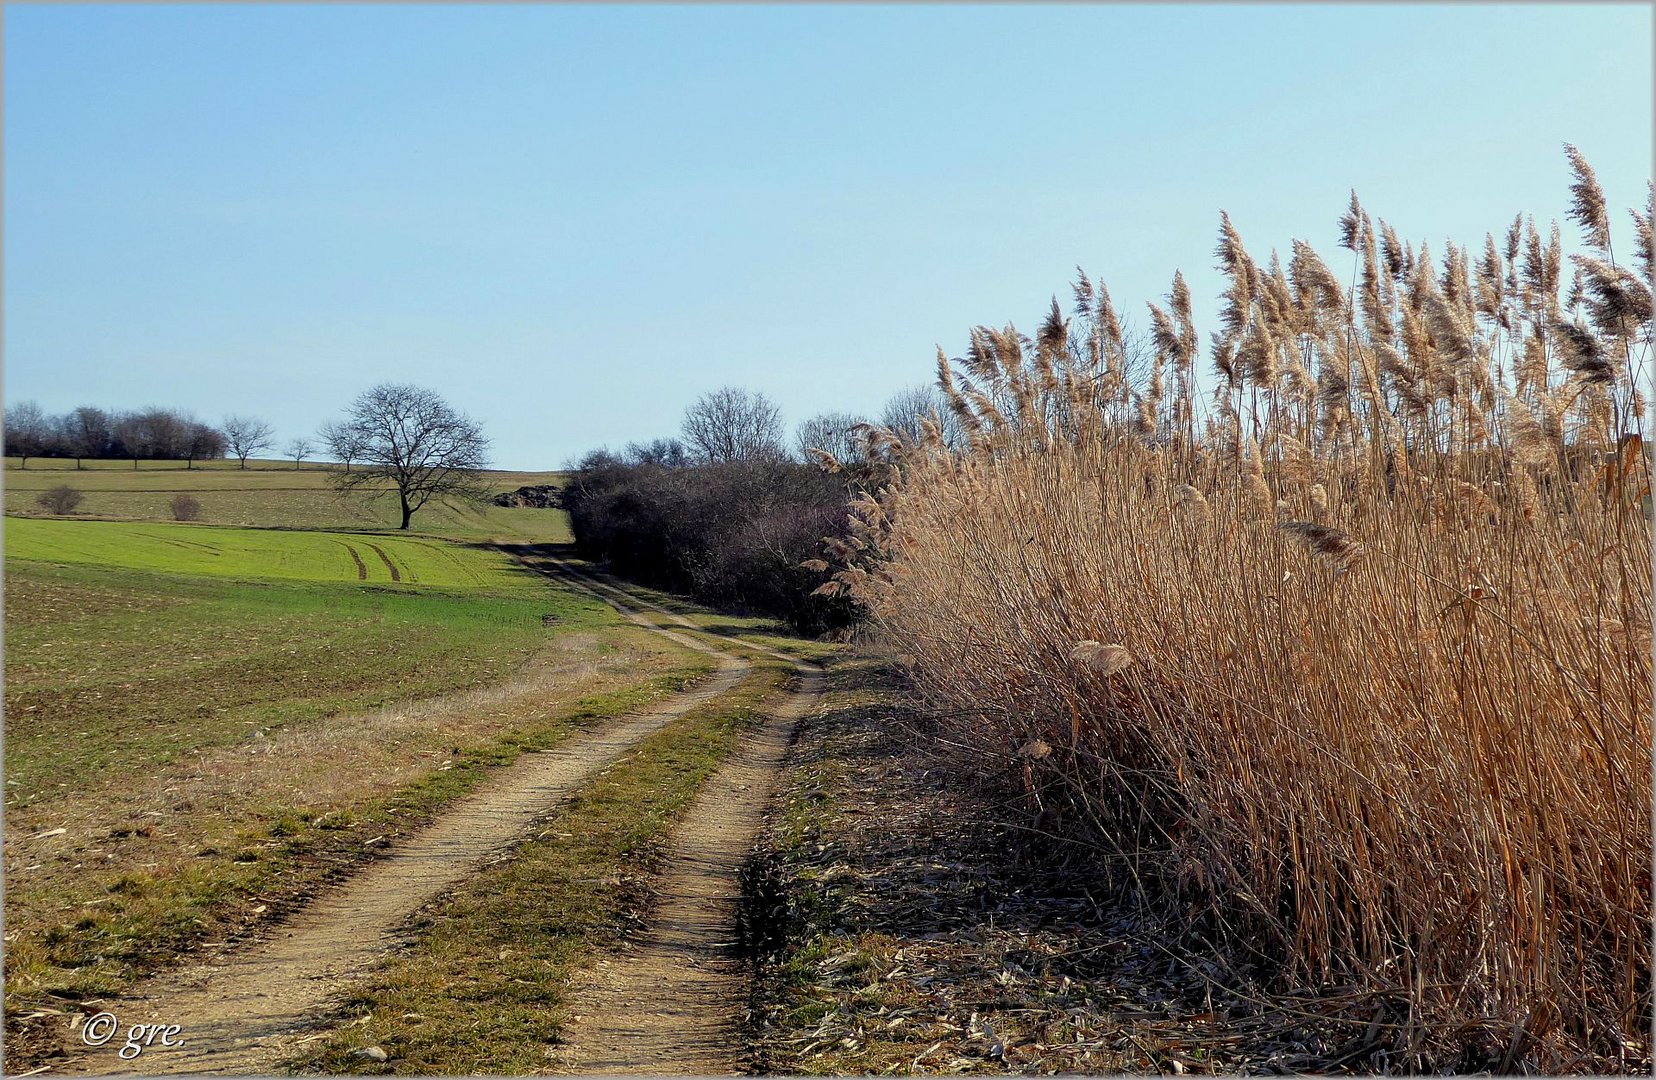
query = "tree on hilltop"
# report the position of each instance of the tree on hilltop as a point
(299, 449)
(87, 432)
(339, 440)
(247, 436)
(408, 437)
(28, 432)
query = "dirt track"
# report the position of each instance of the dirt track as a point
(668, 1007)
(670, 1003)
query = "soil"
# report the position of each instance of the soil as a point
(673, 1001)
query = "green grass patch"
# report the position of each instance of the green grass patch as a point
(481, 990)
(271, 554)
(111, 669)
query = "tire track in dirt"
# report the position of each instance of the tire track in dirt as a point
(671, 1002)
(612, 594)
(244, 1012)
(396, 575)
(361, 567)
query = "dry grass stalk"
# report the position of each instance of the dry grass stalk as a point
(1428, 776)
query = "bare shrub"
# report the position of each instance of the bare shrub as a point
(185, 508)
(1378, 676)
(61, 499)
(733, 535)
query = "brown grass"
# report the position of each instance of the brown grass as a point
(1356, 656)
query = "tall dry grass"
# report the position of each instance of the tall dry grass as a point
(1354, 655)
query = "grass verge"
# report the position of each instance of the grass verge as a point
(480, 989)
(269, 866)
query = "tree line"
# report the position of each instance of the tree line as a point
(395, 439)
(89, 432)
(727, 509)
(152, 434)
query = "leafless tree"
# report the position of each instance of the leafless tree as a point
(668, 453)
(201, 441)
(902, 414)
(732, 424)
(830, 432)
(299, 449)
(153, 433)
(87, 432)
(408, 437)
(339, 440)
(28, 432)
(247, 435)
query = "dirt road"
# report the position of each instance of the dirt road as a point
(246, 1010)
(670, 1004)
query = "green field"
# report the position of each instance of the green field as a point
(294, 555)
(204, 721)
(177, 644)
(273, 494)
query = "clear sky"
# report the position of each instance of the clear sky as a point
(572, 220)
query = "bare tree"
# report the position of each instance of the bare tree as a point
(299, 449)
(201, 441)
(903, 412)
(153, 433)
(732, 424)
(28, 432)
(340, 441)
(247, 436)
(669, 453)
(86, 432)
(410, 438)
(830, 432)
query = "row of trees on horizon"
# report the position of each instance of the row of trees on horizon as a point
(404, 440)
(732, 424)
(150, 434)
(728, 424)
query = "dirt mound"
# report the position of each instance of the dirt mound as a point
(536, 496)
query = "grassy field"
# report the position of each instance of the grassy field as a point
(272, 494)
(204, 722)
(259, 553)
(111, 669)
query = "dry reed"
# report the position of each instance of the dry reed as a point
(1378, 686)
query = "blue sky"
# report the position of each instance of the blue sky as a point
(572, 220)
